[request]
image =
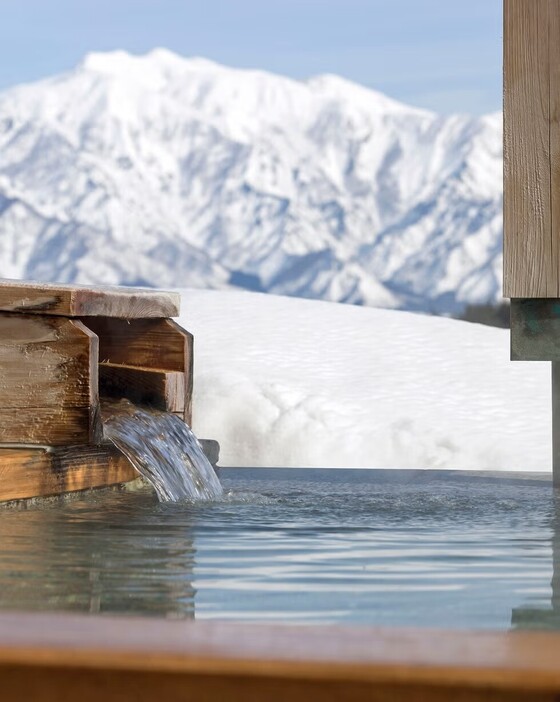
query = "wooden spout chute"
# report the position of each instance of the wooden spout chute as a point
(62, 348)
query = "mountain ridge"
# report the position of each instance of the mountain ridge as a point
(165, 171)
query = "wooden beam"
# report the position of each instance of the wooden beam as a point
(29, 472)
(53, 657)
(553, 18)
(188, 350)
(48, 381)
(45, 426)
(147, 343)
(141, 343)
(78, 301)
(531, 149)
(160, 389)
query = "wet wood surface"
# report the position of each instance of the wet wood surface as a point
(160, 389)
(48, 426)
(77, 301)
(54, 657)
(147, 343)
(531, 148)
(48, 381)
(38, 472)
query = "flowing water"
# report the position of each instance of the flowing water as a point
(164, 450)
(408, 548)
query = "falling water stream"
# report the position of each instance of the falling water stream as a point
(164, 450)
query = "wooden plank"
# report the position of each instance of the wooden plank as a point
(163, 390)
(531, 247)
(46, 426)
(48, 381)
(147, 343)
(28, 472)
(554, 135)
(188, 350)
(50, 684)
(78, 300)
(142, 343)
(48, 657)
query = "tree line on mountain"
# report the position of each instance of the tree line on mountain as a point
(493, 315)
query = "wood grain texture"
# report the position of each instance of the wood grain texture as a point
(77, 301)
(188, 350)
(48, 657)
(50, 684)
(554, 135)
(29, 472)
(160, 389)
(49, 426)
(147, 343)
(531, 149)
(48, 381)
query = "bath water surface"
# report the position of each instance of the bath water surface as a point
(410, 548)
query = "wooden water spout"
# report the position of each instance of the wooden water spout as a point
(62, 348)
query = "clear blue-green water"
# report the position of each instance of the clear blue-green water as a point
(406, 548)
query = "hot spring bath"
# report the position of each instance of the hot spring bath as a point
(406, 548)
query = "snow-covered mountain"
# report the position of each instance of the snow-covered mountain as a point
(160, 170)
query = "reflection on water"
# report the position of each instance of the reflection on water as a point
(368, 547)
(108, 553)
(543, 611)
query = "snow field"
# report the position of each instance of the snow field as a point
(288, 382)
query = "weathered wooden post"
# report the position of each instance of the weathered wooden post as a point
(532, 187)
(61, 347)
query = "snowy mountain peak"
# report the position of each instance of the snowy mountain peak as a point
(163, 170)
(160, 67)
(111, 62)
(334, 86)
(123, 64)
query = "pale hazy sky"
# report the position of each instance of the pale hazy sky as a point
(442, 54)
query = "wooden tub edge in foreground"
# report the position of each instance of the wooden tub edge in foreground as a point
(46, 657)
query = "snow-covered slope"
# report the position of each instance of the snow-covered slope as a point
(161, 170)
(284, 382)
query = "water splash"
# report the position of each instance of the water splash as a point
(164, 450)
